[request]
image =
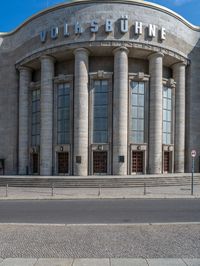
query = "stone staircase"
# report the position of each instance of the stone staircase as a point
(99, 181)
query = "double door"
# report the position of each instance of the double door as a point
(63, 163)
(137, 162)
(166, 162)
(100, 162)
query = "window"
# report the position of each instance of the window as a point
(100, 111)
(137, 112)
(35, 115)
(167, 115)
(63, 113)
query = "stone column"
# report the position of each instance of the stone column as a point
(155, 122)
(23, 154)
(81, 112)
(120, 110)
(179, 140)
(46, 131)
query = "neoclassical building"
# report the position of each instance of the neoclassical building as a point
(100, 87)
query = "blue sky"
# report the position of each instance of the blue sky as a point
(14, 12)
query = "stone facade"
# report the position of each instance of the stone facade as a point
(100, 87)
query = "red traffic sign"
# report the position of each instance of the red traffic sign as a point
(193, 153)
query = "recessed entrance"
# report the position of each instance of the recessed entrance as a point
(100, 162)
(166, 161)
(63, 163)
(35, 163)
(137, 162)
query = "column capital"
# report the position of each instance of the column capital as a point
(178, 64)
(121, 49)
(155, 55)
(43, 57)
(24, 68)
(79, 50)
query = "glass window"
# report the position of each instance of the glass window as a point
(63, 113)
(100, 99)
(100, 111)
(137, 112)
(100, 136)
(167, 115)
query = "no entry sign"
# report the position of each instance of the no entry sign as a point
(193, 153)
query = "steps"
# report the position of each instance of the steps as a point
(101, 181)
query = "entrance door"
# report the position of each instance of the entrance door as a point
(35, 163)
(166, 162)
(100, 162)
(137, 162)
(63, 163)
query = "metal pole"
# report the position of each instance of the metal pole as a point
(145, 189)
(6, 190)
(52, 188)
(192, 184)
(99, 193)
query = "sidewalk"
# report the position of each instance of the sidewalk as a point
(98, 193)
(100, 262)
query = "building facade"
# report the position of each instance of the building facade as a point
(100, 87)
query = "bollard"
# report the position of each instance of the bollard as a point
(145, 192)
(52, 190)
(6, 190)
(99, 193)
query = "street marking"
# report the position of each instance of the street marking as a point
(100, 224)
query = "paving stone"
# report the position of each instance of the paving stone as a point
(166, 262)
(1, 260)
(128, 262)
(91, 262)
(54, 262)
(19, 262)
(192, 262)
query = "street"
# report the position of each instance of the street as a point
(100, 211)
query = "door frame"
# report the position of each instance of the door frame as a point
(63, 152)
(170, 149)
(106, 162)
(141, 148)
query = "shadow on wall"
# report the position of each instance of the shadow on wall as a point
(193, 108)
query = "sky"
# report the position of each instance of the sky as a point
(14, 12)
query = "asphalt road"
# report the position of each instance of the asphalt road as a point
(100, 211)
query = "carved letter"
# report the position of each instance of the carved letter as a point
(66, 32)
(43, 36)
(124, 24)
(138, 28)
(109, 27)
(54, 33)
(94, 26)
(163, 34)
(152, 30)
(78, 28)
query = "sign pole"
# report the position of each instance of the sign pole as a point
(193, 155)
(192, 185)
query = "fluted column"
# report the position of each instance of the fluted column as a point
(46, 133)
(155, 123)
(120, 110)
(81, 112)
(24, 82)
(179, 140)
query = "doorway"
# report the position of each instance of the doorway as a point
(63, 163)
(166, 162)
(35, 163)
(100, 162)
(137, 162)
